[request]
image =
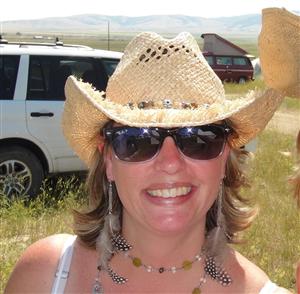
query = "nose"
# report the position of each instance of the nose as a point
(169, 159)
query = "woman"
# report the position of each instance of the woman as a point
(163, 150)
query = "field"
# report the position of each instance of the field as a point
(118, 41)
(272, 242)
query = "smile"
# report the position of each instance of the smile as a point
(167, 193)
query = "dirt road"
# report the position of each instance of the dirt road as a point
(287, 122)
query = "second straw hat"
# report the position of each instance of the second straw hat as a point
(279, 50)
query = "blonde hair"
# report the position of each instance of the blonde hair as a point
(237, 210)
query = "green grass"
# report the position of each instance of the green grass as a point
(272, 241)
(290, 104)
(240, 89)
(23, 222)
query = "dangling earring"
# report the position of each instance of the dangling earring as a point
(112, 218)
(216, 245)
(111, 226)
(118, 242)
(217, 237)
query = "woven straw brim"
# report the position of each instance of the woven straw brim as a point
(86, 111)
(279, 50)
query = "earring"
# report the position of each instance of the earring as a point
(118, 242)
(217, 238)
(111, 227)
(220, 216)
(112, 219)
(216, 244)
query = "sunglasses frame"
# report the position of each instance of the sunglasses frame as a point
(108, 133)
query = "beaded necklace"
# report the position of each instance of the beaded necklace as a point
(120, 245)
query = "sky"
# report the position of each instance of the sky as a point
(34, 9)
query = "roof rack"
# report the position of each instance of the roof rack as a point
(57, 43)
(3, 41)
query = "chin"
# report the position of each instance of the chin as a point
(170, 224)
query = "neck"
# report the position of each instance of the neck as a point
(164, 248)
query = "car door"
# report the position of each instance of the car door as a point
(243, 67)
(12, 97)
(45, 100)
(223, 68)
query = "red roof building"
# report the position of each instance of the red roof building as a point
(215, 44)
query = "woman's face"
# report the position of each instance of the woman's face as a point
(169, 193)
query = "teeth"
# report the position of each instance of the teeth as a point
(173, 192)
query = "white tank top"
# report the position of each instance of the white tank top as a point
(63, 269)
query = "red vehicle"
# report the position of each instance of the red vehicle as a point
(231, 68)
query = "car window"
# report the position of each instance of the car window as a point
(110, 65)
(9, 65)
(223, 60)
(48, 75)
(209, 60)
(239, 61)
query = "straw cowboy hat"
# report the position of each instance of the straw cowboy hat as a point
(164, 83)
(279, 50)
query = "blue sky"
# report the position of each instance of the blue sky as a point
(33, 9)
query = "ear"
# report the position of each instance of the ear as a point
(108, 164)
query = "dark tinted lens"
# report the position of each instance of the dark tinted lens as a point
(202, 143)
(135, 144)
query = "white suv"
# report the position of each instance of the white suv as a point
(32, 78)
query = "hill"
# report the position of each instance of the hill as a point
(248, 25)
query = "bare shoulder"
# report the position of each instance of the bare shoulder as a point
(250, 270)
(250, 278)
(36, 266)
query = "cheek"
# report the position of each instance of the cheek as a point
(209, 175)
(128, 178)
(210, 171)
(214, 169)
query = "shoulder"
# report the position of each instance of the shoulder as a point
(36, 267)
(249, 276)
(248, 268)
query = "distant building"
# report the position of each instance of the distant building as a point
(215, 44)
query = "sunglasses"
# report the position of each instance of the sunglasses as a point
(134, 144)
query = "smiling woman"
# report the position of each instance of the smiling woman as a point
(163, 147)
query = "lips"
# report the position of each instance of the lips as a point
(170, 192)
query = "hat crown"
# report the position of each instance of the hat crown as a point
(156, 69)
